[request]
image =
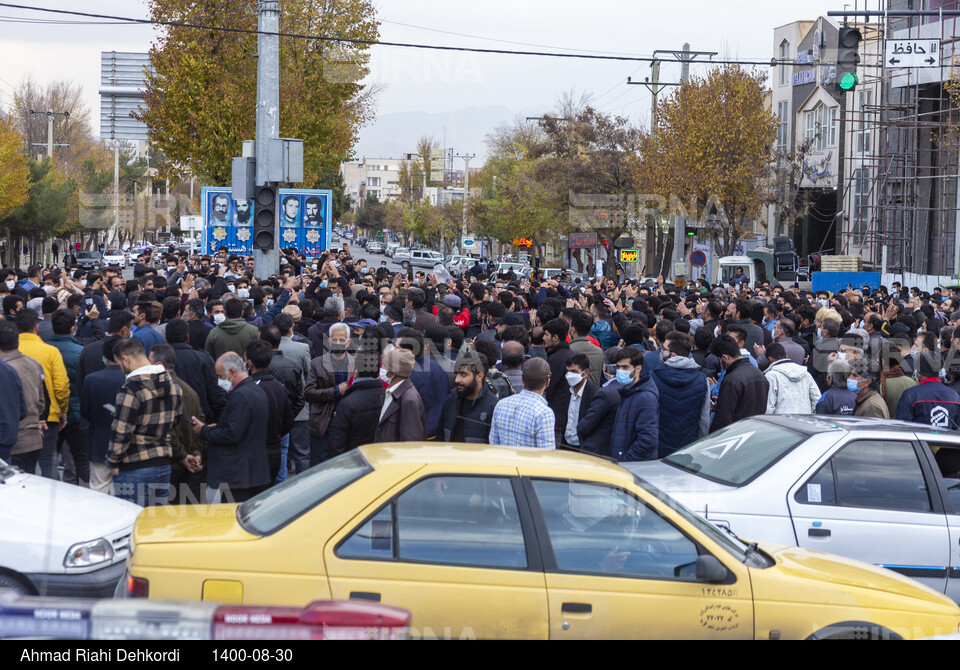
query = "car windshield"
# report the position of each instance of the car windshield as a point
(736, 454)
(88, 254)
(276, 507)
(734, 545)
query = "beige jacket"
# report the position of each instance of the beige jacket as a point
(31, 378)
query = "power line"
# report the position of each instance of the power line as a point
(406, 45)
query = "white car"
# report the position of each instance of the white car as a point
(884, 492)
(114, 257)
(58, 539)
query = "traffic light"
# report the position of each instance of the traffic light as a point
(265, 217)
(690, 231)
(848, 57)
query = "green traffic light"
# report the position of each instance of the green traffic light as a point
(848, 81)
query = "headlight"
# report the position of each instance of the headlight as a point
(85, 554)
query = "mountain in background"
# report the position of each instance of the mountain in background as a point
(392, 135)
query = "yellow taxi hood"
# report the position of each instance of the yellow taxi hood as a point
(818, 567)
(189, 523)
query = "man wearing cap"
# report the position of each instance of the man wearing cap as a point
(393, 314)
(402, 418)
(525, 419)
(930, 402)
(461, 314)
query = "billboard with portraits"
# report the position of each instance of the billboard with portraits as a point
(305, 220)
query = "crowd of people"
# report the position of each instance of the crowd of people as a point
(195, 382)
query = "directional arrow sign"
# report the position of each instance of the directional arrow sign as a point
(912, 53)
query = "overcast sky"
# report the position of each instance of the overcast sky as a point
(429, 81)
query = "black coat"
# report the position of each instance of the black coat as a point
(281, 417)
(288, 373)
(475, 414)
(357, 416)
(743, 393)
(558, 391)
(198, 331)
(598, 414)
(198, 370)
(237, 445)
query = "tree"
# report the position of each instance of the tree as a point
(789, 201)
(14, 169)
(712, 148)
(201, 99)
(414, 174)
(45, 213)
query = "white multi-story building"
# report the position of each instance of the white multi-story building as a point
(375, 176)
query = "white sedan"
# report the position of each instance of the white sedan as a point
(58, 539)
(114, 257)
(884, 492)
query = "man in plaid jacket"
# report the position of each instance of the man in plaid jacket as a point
(147, 407)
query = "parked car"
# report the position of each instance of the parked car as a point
(421, 258)
(88, 260)
(57, 539)
(524, 543)
(375, 247)
(114, 257)
(519, 269)
(884, 492)
(457, 265)
(401, 254)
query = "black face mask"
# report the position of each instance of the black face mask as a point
(337, 348)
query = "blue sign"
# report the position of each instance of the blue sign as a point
(805, 77)
(305, 221)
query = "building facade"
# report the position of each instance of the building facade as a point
(378, 177)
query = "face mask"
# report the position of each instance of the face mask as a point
(384, 376)
(231, 288)
(11, 285)
(315, 267)
(842, 356)
(823, 303)
(243, 293)
(416, 282)
(574, 378)
(225, 384)
(383, 318)
(365, 271)
(50, 290)
(337, 348)
(108, 304)
(624, 377)
(269, 303)
(219, 318)
(853, 386)
(324, 284)
(914, 352)
(716, 332)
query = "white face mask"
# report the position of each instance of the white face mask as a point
(225, 384)
(243, 293)
(11, 284)
(231, 288)
(219, 318)
(574, 378)
(384, 376)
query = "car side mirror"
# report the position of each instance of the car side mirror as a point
(709, 569)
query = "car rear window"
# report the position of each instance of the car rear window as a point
(736, 454)
(276, 507)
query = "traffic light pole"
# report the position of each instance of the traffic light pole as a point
(267, 263)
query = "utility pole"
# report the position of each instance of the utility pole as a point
(267, 262)
(51, 115)
(466, 188)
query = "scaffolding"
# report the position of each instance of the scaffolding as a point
(900, 167)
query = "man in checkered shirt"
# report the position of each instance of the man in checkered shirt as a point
(147, 407)
(525, 419)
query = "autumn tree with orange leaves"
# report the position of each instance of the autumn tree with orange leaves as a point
(712, 147)
(201, 99)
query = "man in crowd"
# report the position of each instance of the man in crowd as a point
(525, 419)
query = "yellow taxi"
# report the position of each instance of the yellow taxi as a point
(491, 542)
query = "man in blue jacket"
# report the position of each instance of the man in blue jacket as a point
(930, 402)
(637, 428)
(75, 431)
(684, 395)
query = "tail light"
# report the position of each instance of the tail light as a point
(137, 587)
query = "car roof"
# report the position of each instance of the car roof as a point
(818, 423)
(432, 453)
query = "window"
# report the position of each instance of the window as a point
(373, 181)
(865, 101)
(834, 124)
(784, 69)
(449, 520)
(783, 109)
(738, 453)
(861, 193)
(810, 134)
(870, 474)
(595, 528)
(273, 509)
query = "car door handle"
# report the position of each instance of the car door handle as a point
(818, 532)
(365, 595)
(576, 608)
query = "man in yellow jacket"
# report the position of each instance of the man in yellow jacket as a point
(56, 381)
